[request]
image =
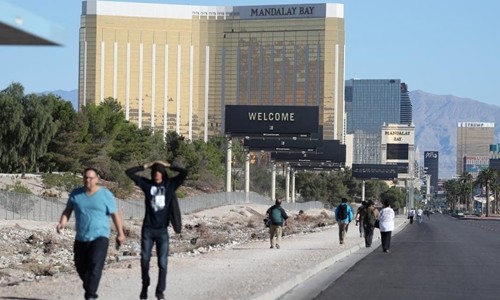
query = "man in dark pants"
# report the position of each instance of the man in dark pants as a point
(369, 222)
(162, 208)
(343, 218)
(360, 215)
(92, 205)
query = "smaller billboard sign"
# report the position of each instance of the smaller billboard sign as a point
(374, 171)
(280, 145)
(475, 164)
(331, 152)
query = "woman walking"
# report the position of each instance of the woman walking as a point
(386, 223)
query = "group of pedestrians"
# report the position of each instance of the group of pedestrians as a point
(419, 214)
(94, 204)
(367, 218)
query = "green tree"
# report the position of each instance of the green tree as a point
(13, 131)
(396, 197)
(63, 146)
(375, 188)
(42, 128)
(484, 179)
(452, 188)
(466, 182)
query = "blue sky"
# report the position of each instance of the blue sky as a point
(442, 47)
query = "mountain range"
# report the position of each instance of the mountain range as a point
(435, 118)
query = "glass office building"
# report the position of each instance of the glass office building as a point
(473, 139)
(371, 103)
(175, 67)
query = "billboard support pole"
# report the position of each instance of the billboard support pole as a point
(362, 190)
(273, 182)
(228, 162)
(287, 183)
(247, 172)
(293, 186)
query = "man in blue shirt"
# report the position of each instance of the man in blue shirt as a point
(92, 205)
(343, 216)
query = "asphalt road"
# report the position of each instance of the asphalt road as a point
(442, 258)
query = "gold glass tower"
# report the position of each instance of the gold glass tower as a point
(175, 67)
(473, 139)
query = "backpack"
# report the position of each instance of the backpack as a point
(342, 212)
(276, 217)
(369, 218)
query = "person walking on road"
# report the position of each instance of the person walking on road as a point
(343, 216)
(360, 214)
(386, 224)
(419, 215)
(369, 220)
(278, 217)
(427, 213)
(162, 209)
(92, 205)
(411, 215)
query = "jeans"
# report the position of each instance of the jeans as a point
(419, 219)
(361, 230)
(89, 262)
(149, 237)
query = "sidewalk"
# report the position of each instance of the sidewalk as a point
(253, 271)
(247, 271)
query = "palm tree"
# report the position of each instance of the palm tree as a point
(452, 188)
(484, 179)
(495, 186)
(465, 181)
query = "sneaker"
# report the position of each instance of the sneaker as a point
(271, 247)
(341, 242)
(277, 246)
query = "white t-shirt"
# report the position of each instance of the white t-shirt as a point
(386, 219)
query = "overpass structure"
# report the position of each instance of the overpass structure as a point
(21, 27)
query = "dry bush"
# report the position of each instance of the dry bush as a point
(43, 270)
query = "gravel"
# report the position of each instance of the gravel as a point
(220, 254)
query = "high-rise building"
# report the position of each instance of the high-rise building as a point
(473, 139)
(369, 104)
(431, 167)
(175, 67)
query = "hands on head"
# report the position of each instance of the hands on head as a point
(164, 163)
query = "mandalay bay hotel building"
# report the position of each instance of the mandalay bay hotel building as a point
(175, 67)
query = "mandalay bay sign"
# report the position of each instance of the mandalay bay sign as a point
(282, 11)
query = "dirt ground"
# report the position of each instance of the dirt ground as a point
(33, 254)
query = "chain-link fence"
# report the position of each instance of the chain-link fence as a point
(14, 206)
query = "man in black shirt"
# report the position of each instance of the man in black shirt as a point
(162, 208)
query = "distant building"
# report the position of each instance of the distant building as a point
(369, 103)
(494, 163)
(473, 139)
(175, 67)
(431, 167)
(398, 147)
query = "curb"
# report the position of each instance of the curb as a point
(295, 280)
